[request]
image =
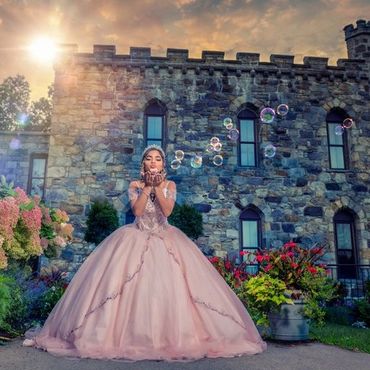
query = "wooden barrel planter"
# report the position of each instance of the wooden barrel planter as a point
(289, 323)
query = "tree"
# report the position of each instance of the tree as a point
(14, 100)
(16, 112)
(40, 112)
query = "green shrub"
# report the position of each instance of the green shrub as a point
(102, 221)
(362, 311)
(188, 220)
(367, 289)
(15, 315)
(5, 298)
(341, 315)
(47, 301)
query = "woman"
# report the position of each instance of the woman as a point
(148, 292)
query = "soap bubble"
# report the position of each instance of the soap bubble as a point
(175, 164)
(347, 123)
(15, 144)
(282, 110)
(210, 148)
(229, 126)
(218, 160)
(339, 130)
(233, 134)
(217, 147)
(179, 155)
(22, 119)
(214, 140)
(228, 121)
(269, 151)
(267, 115)
(196, 161)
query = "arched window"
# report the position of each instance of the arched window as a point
(337, 144)
(248, 151)
(345, 244)
(154, 123)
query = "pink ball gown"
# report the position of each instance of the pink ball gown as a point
(148, 292)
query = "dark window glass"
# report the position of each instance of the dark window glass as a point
(37, 173)
(247, 148)
(345, 244)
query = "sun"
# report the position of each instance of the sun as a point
(43, 49)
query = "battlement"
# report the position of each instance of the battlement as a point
(363, 27)
(212, 61)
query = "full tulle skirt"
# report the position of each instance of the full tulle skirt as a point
(148, 295)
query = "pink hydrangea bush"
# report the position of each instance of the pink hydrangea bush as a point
(29, 228)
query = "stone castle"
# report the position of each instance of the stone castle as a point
(108, 107)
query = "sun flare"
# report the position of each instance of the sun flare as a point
(43, 49)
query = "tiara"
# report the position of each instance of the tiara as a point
(153, 147)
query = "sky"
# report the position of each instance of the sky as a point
(298, 27)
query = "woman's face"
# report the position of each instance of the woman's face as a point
(153, 161)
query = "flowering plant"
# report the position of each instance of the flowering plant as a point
(298, 275)
(27, 227)
(55, 231)
(292, 264)
(234, 274)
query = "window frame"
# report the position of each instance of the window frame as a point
(30, 172)
(155, 109)
(250, 214)
(336, 117)
(346, 217)
(248, 114)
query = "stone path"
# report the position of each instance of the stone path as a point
(307, 356)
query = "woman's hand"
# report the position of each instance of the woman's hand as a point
(153, 179)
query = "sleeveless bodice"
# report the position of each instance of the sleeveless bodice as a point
(153, 218)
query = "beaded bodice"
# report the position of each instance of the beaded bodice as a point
(153, 218)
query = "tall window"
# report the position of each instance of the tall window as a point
(337, 144)
(345, 244)
(248, 138)
(37, 173)
(154, 123)
(250, 230)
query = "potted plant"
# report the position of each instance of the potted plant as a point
(289, 290)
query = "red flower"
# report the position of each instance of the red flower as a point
(268, 267)
(259, 258)
(214, 259)
(312, 270)
(228, 265)
(290, 245)
(294, 265)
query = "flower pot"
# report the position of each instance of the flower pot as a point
(289, 323)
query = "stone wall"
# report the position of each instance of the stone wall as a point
(16, 149)
(97, 139)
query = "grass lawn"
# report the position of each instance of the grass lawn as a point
(342, 336)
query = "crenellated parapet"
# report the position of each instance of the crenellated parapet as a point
(358, 40)
(212, 61)
(363, 27)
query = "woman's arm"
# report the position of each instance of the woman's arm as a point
(138, 202)
(166, 204)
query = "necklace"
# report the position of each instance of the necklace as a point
(152, 195)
